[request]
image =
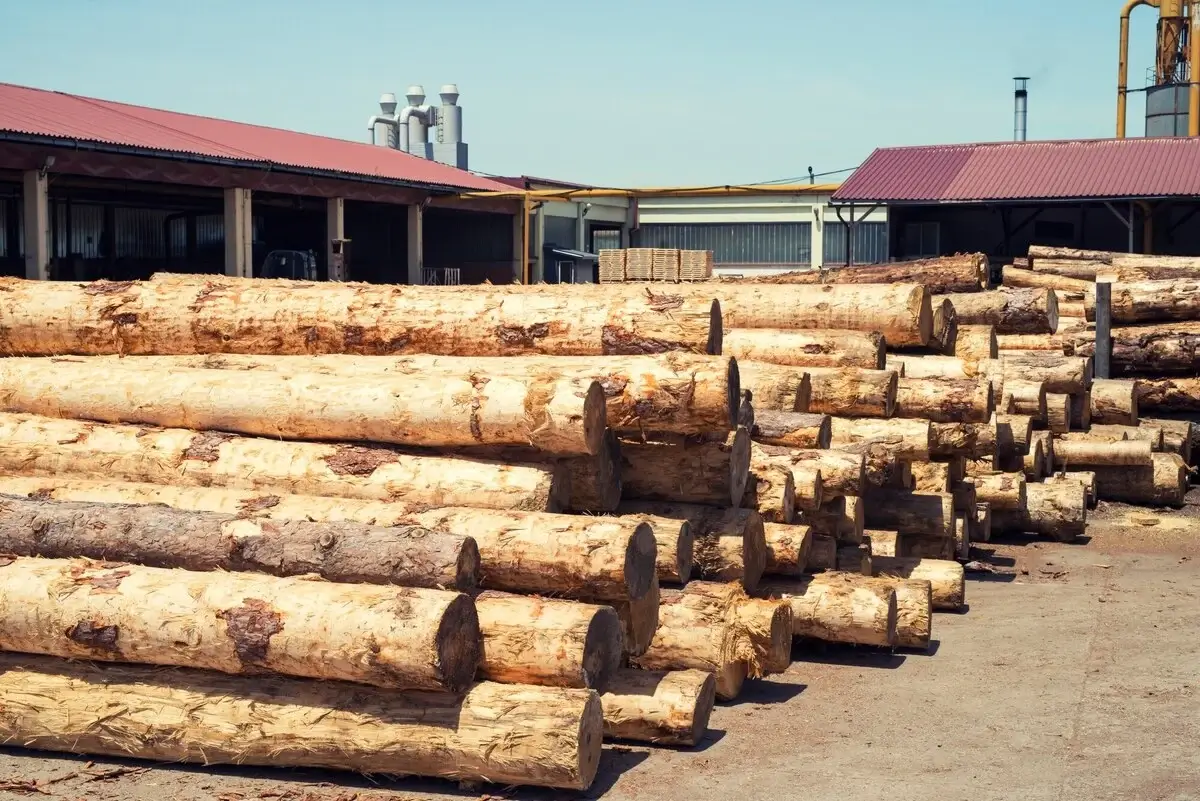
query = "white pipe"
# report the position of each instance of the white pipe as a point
(376, 120)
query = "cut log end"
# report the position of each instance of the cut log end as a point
(739, 465)
(733, 386)
(458, 655)
(590, 737)
(602, 648)
(467, 567)
(716, 336)
(659, 707)
(640, 556)
(595, 418)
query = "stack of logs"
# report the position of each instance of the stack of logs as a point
(470, 498)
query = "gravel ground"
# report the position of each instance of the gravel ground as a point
(1073, 675)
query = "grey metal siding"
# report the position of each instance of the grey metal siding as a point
(4, 228)
(734, 243)
(560, 231)
(870, 243)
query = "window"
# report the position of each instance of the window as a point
(922, 240)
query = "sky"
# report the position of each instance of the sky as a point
(607, 92)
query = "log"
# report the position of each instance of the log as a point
(688, 470)
(930, 476)
(1074, 453)
(241, 623)
(1154, 301)
(946, 578)
(659, 707)
(32, 445)
(551, 736)
(929, 366)
(1025, 397)
(1086, 478)
(851, 392)
(1162, 483)
(791, 429)
(776, 387)
(914, 612)
(1053, 343)
(788, 549)
(767, 626)
(883, 543)
(1168, 394)
(1010, 311)
(547, 642)
(822, 554)
(812, 348)
(905, 439)
(841, 473)
(924, 514)
(159, 536)
(975, 342)
(771, 491)
(1114, 402)
(1057, 510)
(1069, 327)
(430, 410)
(1036, 463)
(806, 481)
(962, 272)
(1029, 279)
(854, 559)
(945, 327)
(883, 467)
(841, 518)
(1013, 433)
(964, 494)
(1177, 436)
(1081, 410)
(1058, 413)
(970, 440)
(1001, 491)
(1150, 432)
(838, 607)
(1062, 375)
(962, 538)
(212, 314)
(675, 547)
(595, 481)
(944, 400)
(981, 530)
(729, 544)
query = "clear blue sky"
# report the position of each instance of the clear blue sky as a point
(611, 92)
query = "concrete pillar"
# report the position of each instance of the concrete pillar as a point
(818, 236)
(416, 244)
(335, 232)
(539, 241)
(580, 226)
(239, 234)
(518, 244)
(37, 226)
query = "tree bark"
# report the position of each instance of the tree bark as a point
(807, 484)
(962, 272)
(776, 387)
(851, 392)
(1114, 402)
(788, 548)
(688, 470)
(1062, 375)
(659, 707)
(975, 342)
(1057, 510)
(822, 554)
(944, 400)
(838, 607)
(914, 611)
(1169, 394)
(945, 327)
(1002, 491)
(971, 440)
(842, 518)
(1058, 413)
(925, 514)
(551, 736)
(215, 314)
(1152, 350)
(1162, 483)
(729, 544)
(811, 348)
(841, 473)
(547, 642)
(791, 429)
(1009, 311)
(396, 637)
(930, 476)
(1024, 397)
(1030, 279)
(771, 491)
(45, 446)
(1053, 343)
(1074, 453)
(946, 578)
(1154, 301)
(1087, 478)
(157, 536)
(675, 546)
(905, 439)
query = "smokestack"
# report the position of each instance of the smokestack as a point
(1020, 108)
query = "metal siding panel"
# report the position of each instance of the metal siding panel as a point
(560, 231)
(870, 243)
(87, 223)
(210, 231)
(139, 233)
(734, 243)
(3, 228)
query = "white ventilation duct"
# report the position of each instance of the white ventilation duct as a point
(408, 129)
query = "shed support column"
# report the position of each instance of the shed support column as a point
(519, 244)
(539, 243)
(239, 234)
(818, 236)
(37, 226)
(1128, 223)
(581, 227)
(416, 244)
(335, 235)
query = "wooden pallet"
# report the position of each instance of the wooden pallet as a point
(695, 265)
(639, 264)
(612, 265)
(664, 265)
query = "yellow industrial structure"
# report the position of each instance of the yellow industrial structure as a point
(1173, 100)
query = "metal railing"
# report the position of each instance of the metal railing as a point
(441, 276)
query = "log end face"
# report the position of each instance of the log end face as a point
(458, 644)
(803, 394)
(739, 465)
(602, 648)
(685, 553)
(716, 330)
(706, 697)
(467, 568)
(595, 418)
(733, 391)
(641, 554)
(589, 740)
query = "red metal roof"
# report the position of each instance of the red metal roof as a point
(57, 115)
(1058, 170)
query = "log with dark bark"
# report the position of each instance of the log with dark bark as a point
(728, 544)
(791, 429)
(687, 470)
(1169, 394)
(1153, 350)
(1163, 483)
(851, 392)
(1010, 311)
(1154, 301)
(962, 272)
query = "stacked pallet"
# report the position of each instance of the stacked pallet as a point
(611, 268)
(695, 265)
(654, 264)
(664, 265)
(639, 264)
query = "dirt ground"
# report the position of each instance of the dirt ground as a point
(1073, 675)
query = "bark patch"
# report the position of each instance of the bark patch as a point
(616, 341)
(355, 460)
(353, 336)
(206, 446)
(43, 494)
(96, 636)
(106, 582)
(107, 287)
(522, 336)
(613, 386)
(259, 504)
(251, 627)
(7, 560)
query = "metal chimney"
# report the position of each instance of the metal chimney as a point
(1020, 108)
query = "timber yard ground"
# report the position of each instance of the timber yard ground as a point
(1074, 675)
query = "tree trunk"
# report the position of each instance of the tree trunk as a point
(1061, 375)
(905, 439)
(1148, 432)
(1081, 410)
(1169, 394)
(851, 392)
(1162, 483)
(729, 544)
(216, 314)
(776, 387)
(944, 400)
(158, 536)
(1024, 397)
(771, 491)
(1114, 402)
(1154, 301)
(45, 446)
(1029, 279)
(766, 626)
(788, 549)
(807, 484)
(1002, 491)
(854, 559)
(946, 578)
(1058, 413)
(791, 429)
(1035, 463)
(975, 342)
(838, 607)
(841, 518)
(595, 481)
(1071, 268)
(1057, 510)
(551, 736)
(930, 476)
(1013, 434)
(396, 637)
(945, 327)
(929, 366)
(1177, 436)
(547, 642)
(841, 473)
(883, 468)
(1152, 350)
(822, 554)
(1073, 453)
(926, 514)
(675, 546)
(659, 707)
(864, 349)
(687, 470)
(883, 543)
(1086, 478)
(962, 272)
(970, 440)
(914, 611)
(1010, 311)
(1053, 343)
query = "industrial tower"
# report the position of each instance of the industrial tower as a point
(1173, 99)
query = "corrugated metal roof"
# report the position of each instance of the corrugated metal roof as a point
(1058, 170)
(39, 112)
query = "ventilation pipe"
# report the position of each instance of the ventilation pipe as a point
(415, 120)
(387, 105)
(1123, 61)
(1020, 108)
(409, 128)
